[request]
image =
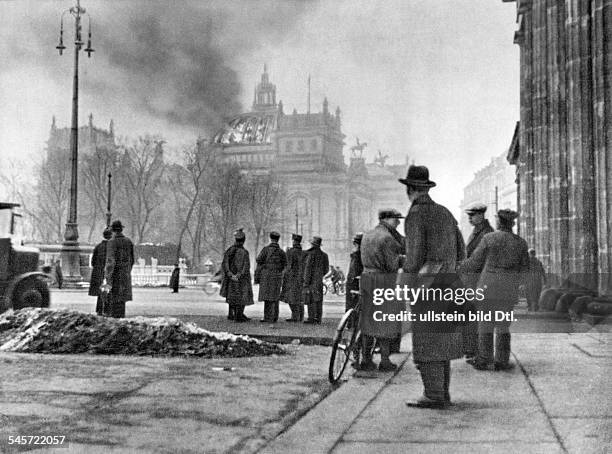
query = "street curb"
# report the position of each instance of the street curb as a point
(319, 430)
(322, 341)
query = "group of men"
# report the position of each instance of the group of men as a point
(111, 281)
(433, 255)
(295, 277)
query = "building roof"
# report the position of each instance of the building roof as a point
(251, 128)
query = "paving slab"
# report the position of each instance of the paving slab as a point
(445, 448)
(585, 435)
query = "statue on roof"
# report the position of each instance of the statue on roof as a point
(358, 147)
(380, 159)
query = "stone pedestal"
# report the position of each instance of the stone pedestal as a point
(71, 265)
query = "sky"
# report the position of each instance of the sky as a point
(434, 80)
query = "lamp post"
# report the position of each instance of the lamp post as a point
(108, 202)
(70, 253)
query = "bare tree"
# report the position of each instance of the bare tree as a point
(139, 178)
(263, 202)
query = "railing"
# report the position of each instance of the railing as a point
(159, 276)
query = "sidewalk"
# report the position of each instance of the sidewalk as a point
(557, 400)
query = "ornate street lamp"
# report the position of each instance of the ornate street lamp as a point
(108, 202)
(70, 248)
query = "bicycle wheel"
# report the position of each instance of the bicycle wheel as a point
(344, 344)
(324, 289)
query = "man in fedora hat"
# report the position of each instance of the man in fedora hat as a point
(271, 262)
(316, 265)
(236, 284)
(434, 246)
(175, 278)
(98, 261)
(292, 280)
(501, 258)
(476, 217)
(118, 269)
(381, 255)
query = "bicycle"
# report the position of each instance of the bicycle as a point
(211, 287)
(347, 342)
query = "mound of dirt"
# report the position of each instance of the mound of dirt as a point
(36, 330)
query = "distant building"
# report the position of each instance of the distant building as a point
(563, 149)
(91, 138)
(495, 186)
(305, 150)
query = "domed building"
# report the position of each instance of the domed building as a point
(324, 196)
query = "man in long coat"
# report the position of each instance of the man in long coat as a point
(381, 255)
(271, 262)
(118, 269)
(476, 217)
(434, 246)
(292, 280)
(236, 285)
(533, 282)
(175, 278)
(98, 261)
(354, 274)
(501, 258)
(316, 265)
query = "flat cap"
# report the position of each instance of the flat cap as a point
(274, 235)
(507, 214)
(389, 213)
(476, 208)
(296, 237)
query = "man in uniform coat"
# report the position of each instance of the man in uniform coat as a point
(118, 269)
(271, 262)
(316, 265)
(533, 283)
(501, 258)
(292, 280)
(476, 217)
(381, 255)
(354, 274)
(236, 284)
(174, 278)
(98, 261)
(434, 246)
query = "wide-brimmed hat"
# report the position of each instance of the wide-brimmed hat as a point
(297, 238)
(476, 208)
(389, 213)
(417, 176)
(117, 226)
(274, 235)
(507, 214)
(316, 241)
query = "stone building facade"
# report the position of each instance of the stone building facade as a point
(564, 143)
(495, 186)
(324, 195)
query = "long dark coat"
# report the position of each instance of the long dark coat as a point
(292, 276)
(380, 255)
(501, 258)
(434, 246)
(271, 262)
(174, 278)
(316, 265)
(236, 262)
(352, 279)
(98, 262)
(476, 236)
(118, 269)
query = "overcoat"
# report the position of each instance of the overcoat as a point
(353, 278)
(236, 263)
(380, 255)
(174, 278)
(434, 246)
(501, 258)
(316, 265)
(118, 269)
(476, 236)
(292, 276)
(98, 261)
(271, 262)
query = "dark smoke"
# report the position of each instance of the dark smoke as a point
(175, 59)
